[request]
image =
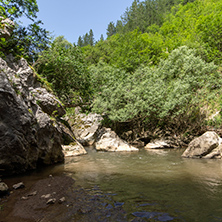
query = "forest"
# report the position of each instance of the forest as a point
(158, 68)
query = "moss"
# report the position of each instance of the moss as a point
(30, 111)
(73, 143)
(42, 80)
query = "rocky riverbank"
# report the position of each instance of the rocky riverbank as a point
(57, 198)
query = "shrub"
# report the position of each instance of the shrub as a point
(159, 95)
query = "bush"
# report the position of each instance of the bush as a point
(63, 66)
(160, 95)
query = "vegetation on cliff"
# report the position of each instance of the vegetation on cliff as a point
(63, 65)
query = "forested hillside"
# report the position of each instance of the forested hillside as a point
(158, 68)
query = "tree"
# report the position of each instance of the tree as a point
(91, 37)
(63, 66)
(111, 30)
(160, 96)
(119, 26)
(25, 41)
(80, 41)
(101, 38)
(14, 9)
(86, 39)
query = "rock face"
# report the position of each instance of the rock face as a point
(109, 141)
(88, 131)
(205, 146)
(86, 127)
(28, 135)
(74, 149)
(6, 27)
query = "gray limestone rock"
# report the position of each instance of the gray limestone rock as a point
(205, 146)
(108, 140)
(74, 149)
(28, 136)
(86, 127)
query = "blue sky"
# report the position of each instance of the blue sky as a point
(73, 18)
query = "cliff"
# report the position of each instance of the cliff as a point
(29, 133)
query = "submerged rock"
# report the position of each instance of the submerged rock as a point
(108, 140)
(205, 146)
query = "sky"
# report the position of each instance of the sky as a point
(74, 18)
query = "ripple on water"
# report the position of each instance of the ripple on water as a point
(159, 216)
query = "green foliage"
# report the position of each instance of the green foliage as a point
(104, 76)
(195, 24)
(160, 95)
(142, 14)
(63, 66)
(198, 25)
(128, 51)
(111, 30)
(87, 39)
(16, 8)
(24, 41)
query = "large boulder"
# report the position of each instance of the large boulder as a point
(28, 135)
(205, 146)
(86, 127)
(108, 140)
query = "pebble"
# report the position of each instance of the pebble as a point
(51, 201)
(32, 194)
(47, 196)
(18, 185)
(3, 187)
(62, 200)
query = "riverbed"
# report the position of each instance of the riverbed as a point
(155, 185)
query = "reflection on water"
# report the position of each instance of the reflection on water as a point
(151, 185)
(155, 183)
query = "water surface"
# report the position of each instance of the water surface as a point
(154, 185)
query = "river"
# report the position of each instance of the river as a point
(155, 185)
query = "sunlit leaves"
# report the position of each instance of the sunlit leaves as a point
(160, 93)
(24, 41)
(63, 66)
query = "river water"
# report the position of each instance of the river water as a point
(154, 185)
